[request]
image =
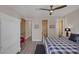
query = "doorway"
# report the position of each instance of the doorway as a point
(25, 34)
(29, 29)
(22, 32)
(23, 27)
(45, 28)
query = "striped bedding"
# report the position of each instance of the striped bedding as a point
(62, 45)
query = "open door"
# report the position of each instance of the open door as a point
(23, 27)
(22, 32)
(45, 28)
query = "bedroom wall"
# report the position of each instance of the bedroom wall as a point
(72, 20)
(55, 30)
(52, 21)
(10, 34)
(0, 34)
(36, 30)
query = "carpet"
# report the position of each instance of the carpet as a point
(40, 49)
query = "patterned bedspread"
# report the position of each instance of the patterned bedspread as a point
(61, 46)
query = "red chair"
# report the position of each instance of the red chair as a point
(22, 39)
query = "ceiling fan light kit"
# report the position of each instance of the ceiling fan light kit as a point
(51, 11)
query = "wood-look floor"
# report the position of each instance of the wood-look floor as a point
(29, 47)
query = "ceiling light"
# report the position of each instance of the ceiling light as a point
(51, 11)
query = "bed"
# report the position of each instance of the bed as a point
(61, 45)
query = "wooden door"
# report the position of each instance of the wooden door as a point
(60, 28)
(45, 28)
(23, 27)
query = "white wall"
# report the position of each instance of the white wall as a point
(10, 34)
(72, 20)
(36, 32)
(51, 21)
(0, 34)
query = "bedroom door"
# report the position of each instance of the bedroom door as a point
(23, 27)
(45, 28)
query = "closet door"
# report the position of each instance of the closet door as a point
(10, 35)
(45, 28)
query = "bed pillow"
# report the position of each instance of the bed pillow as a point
(73, 37)
(77, 39)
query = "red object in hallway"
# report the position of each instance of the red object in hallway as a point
(22, 39)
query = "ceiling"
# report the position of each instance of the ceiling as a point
(32, 11)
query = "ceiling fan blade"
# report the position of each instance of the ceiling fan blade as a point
(60, 7)
(44, 9)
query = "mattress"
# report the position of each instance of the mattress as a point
(61, 45)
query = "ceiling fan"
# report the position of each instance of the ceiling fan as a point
(53, 9)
